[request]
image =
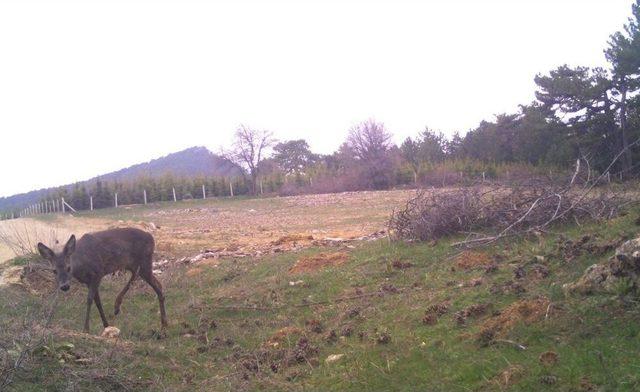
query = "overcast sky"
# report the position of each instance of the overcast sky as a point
(90, 87)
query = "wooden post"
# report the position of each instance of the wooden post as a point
(231, 188)
(483, 178)
(144, 194)
(261, 186)
(62, 204)
(204, 192)
(90, 203)
(116, 199)
(174, 195)
(65, 204)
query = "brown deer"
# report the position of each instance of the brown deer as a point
(101, 253)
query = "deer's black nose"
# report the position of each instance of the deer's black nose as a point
(64, 287)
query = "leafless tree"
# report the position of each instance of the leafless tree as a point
(369, 140)
(249, 149)
(370, 143)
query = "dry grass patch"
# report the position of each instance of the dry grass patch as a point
(281, 335)
(293, 238)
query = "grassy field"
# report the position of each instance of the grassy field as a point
(403, 317)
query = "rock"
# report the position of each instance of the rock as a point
(297, 282)
(604, 277)
(110, 332)
(333, 358)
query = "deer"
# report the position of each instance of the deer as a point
(98, 254)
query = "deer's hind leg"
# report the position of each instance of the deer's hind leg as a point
(120, 297)
(147, 275)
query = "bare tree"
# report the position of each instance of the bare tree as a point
(370, 142)
(249, 149)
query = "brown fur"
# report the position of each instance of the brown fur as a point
(101, 253)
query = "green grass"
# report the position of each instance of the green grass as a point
(597, 338)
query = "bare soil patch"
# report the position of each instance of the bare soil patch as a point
(318, 262)
(526, 311)
(473, 259)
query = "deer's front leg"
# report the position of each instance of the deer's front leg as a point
(105, 323)
(89, 302)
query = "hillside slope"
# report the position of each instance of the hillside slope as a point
(358, 316)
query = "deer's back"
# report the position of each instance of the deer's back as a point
(103, 252)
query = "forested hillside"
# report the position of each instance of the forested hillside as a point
(192, 162)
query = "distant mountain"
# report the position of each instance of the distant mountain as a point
(192, 162)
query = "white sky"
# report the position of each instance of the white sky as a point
(89, 87)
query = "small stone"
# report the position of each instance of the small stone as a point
(549, 379)
(110, 332)
(333, 358)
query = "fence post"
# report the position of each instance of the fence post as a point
(62, 204)
(231, 188)
(204, 193)
(174, 194)
(90, 203)
(116, 199)
(144, 193)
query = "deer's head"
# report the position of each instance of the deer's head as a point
(60, 261)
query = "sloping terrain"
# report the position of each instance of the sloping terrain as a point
(360, 315)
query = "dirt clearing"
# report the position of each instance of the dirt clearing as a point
(242, 226)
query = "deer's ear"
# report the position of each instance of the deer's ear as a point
(70, 246)
(45, 251)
